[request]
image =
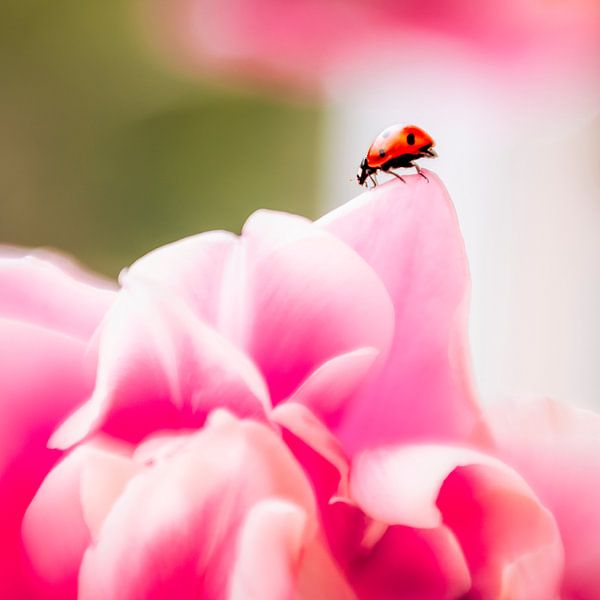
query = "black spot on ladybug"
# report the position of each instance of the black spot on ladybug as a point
(381, 152)
(410, 139)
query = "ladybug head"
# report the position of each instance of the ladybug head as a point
(365, 171)
(419, 140)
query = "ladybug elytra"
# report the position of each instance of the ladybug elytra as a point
(396, 147)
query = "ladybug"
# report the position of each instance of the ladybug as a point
(396, 147)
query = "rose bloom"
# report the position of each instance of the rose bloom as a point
(287, 414)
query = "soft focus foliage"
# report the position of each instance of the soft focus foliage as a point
(106, 153)
(284, 414)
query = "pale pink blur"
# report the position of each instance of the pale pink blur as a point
(308, 43)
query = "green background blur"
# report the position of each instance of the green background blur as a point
(106, 152)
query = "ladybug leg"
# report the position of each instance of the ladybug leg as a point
(420, 172)
(397, 176)
(373, 180)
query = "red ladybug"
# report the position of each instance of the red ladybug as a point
(396, 147)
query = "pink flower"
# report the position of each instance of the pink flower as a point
(360, 316)
(286, 414)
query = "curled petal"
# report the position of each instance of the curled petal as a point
(385, 562)
(412, 564)
(508, 537)
(557, 450)
(511, 542)
(400, 485)
(409, 234)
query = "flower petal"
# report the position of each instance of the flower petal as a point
(289, 294)
(399, 485)
(281, 556)
(557, 450)
(508, 537)
(50, 291)
(315, 448)
(54, 531)
(412, 564)
(202, 270)
(269, 549)
(41, 380)
(68, 510)
(162, 367)
(327, 389)
(311, 299)
(384, 562)
(409, 235)
(107, 469)
(511, 542)
(174, 531)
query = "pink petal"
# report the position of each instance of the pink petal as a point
(510, 541)
(410, 236)
(108, 468)
(556, 448)
(327, 389)
(55, 535)
(411, 564)
(388, 562)
(50, 291)
(319, 577)
(67, 512)
(41, 380)
(280, 555)
(201, 269)
(269, 550)
(288, 293)
(162, 367)
(399, 485)
(315, 448)
(311, 299)
(174, 532)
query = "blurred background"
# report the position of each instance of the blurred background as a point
(107, 151)
(126, 124)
